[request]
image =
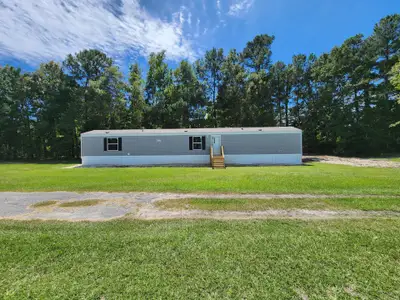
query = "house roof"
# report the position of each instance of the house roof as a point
(187, 131)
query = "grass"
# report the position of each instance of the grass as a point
(200, 259)
(44, 203)
(316, 178)
(238, 204)
(80, 203)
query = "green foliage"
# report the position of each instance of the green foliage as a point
(231, 100)
(343, 100)
(257, 53)
(209, 72)
(395, 80)
(136, 102)
(159, 79)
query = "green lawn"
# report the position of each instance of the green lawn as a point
(238, 204)
(315, 178)
(200, 259)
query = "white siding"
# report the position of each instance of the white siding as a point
(264, 159)
(149, 160)
(154, 160)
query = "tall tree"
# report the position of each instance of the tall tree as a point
(386, 39)
(232, 93)
(280, 85)
(189, 96)
(257, 53)
(53, 96)
(11, 120)
(395, 80)
(137, 105)
(86, 67)
(210, 75)
(159, 77)
(256, 57)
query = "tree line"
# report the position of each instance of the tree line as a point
(344, 100)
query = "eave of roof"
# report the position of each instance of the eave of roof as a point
(191, 131)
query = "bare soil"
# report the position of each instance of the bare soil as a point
(353, 161)
(152, 213)
(14, 205)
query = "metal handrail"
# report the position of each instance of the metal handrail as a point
(211, 157)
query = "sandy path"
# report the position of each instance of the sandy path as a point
(14, 205)
(305, 214)
(353, 161)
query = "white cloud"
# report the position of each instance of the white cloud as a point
(240, 7)
(39, 30)
(189, 20)
(197, 33)
(181, 18)
(218, 7)
(203, 2)
(219, 4)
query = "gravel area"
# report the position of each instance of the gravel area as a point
(352, 161)
(15, 205)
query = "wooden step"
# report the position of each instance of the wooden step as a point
(218, 165)
(218, 158)
(218, 162)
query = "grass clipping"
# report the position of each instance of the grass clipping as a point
(78, 203)
(81, 203)
(44, 203)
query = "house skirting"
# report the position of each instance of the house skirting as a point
(160, 160)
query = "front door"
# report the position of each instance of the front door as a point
(216, 144)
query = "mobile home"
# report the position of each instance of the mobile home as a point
(194, 146)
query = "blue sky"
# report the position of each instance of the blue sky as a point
(35, 31)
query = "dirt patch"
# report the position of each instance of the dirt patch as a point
(151, 213)
(352, 161)
(100, 206)
(73, 166)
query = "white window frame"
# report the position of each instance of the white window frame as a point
(197, 143)
(108, 143)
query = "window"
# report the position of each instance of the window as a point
(197, 143)
(112, 144)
